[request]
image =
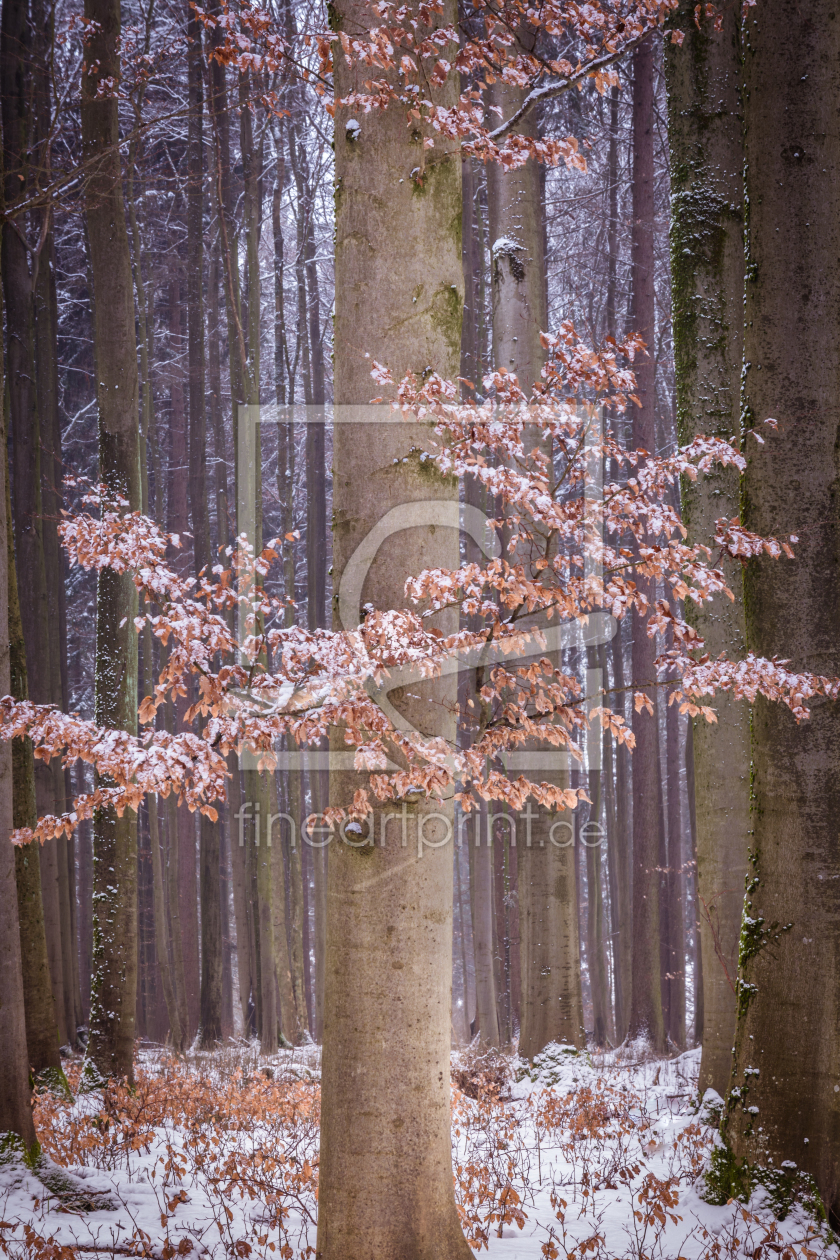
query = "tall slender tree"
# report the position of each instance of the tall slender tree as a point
(552, 1007)
(111, 1044)
(646, 999)
(42, 1037)
(15, 1098)
(707, 287)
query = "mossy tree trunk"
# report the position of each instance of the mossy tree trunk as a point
(785, 1104)
(707, 270)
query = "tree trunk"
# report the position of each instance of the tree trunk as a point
(210, 995)
(45, 312)
(15, 1096)
(84, 849)
(646, 999)
(111, 1043)
(297, 905)
(481, 884)
(699, 989)
(620, 859)
(286, 999)
(595, 942)
(787, 1059)
(386, 1187)
(42, 1039)
(178, 522)
(676, 882)
(228, 838)
(18, 292)
(176, 934)
(552, 1005)
(316, 593)
(707, 285)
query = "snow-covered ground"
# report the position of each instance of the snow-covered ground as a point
(582, 1156)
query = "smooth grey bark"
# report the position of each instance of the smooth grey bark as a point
(386, 1185)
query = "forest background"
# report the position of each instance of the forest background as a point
(170, 229)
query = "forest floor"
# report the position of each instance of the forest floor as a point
(579, 1157)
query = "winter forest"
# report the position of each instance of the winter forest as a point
(420, 552)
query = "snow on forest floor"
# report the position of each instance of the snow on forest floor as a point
(581, 1157)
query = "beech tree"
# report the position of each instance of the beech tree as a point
(15, 1105)
(707, 161)
(781, 1109)
(399, 290)
(552, 1008)
(646, 1001)
(113, 998)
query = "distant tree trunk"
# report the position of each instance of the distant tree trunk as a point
(662, 869)
(306, 882)
(177, 1030)
(84, 850)
(676, 881)
(286, 1000)
(515, 960)
(15, 1096)
(46, 376)
(549, 951)
(699, 989)
(111, 1043)
(179, 522)
(620, 861)
(707, 285)
(480, 854)
(280, 350)
(500, 919)
(789, 976)
(481, 885)
(256, 783)
(595, 942)
(316, 591)
(460, 1000)
(386, 1183)
(469, 252)
(229, 839)
(18, 291)
(42, 1039)
(210, 997)
(646, 999)
(302, 221)
(612, 211)
(176, 934)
